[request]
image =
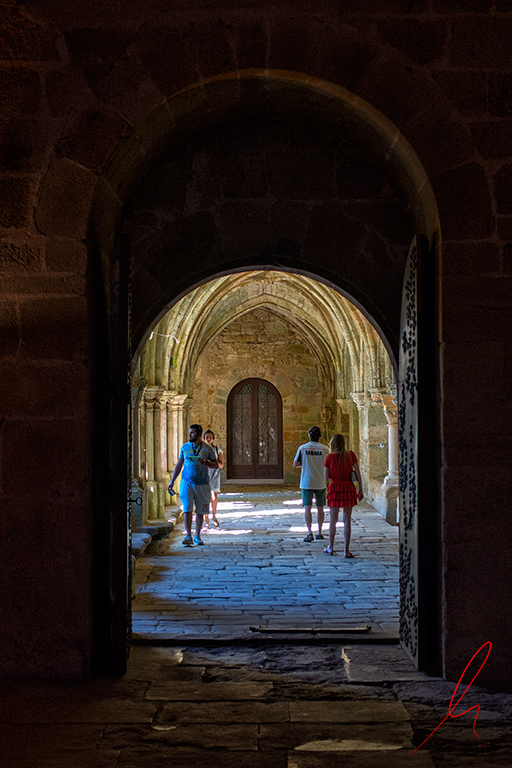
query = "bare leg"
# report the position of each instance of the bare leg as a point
(320, 518)
(187, 519)
(206, 521)
(308, 518)
(199, 523)
(334, 512)
(347, 529)
(215, 501)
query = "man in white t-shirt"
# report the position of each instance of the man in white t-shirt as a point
(310, 458)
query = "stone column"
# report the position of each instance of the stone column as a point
(151, 397)
(388, 402)
(390, 485)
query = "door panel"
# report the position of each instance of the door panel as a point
(255, 443)
(417, 409)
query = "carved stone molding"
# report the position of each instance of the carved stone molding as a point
(359, 399)
(152, 397)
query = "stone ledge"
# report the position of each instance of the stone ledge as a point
(155, 531)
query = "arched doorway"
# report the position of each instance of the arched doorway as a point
(255, 431)
(340, 247)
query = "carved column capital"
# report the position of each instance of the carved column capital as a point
(383, 398)
(359, 399)
(175, 401)
(152, 397)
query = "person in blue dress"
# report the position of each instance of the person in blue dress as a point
(195, 458)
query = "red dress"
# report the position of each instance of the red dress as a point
(341, 491)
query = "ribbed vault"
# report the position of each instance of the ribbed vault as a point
(343, 339)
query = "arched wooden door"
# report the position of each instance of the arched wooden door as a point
(255, 431)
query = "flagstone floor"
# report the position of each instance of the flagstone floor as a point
(255, 574)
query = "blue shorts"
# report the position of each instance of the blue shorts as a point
(320, 496)
(197, 496)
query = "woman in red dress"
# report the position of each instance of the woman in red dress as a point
(341, 491)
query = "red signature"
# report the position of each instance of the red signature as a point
(453, 706)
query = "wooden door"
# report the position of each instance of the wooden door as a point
(418, 467)
(255, 431)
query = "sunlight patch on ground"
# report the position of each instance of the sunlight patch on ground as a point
(298, 502)
(255, 513)
(227, 532)
(234, 505)
(345, 745)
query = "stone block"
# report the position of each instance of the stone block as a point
(481, 43)
(23, 256)
(67, 91)
(41, 284)
(92, 140)
(65, 200)
(500, 94)
(478, 309)
(95, 51)
(507, 258)
(129, 90)
(52, 454)
(393, 87)
(23, 144)
(493, 139)
(422, 41)
(20, 92)
(357, 177)
(471, 217)
(347, 711)
(9, 328)
(313, 178)
(505, 228)
(224, 712)
(302, 737)
(63, 254)
(15, 201)
(175, 67)
(460, 6)
(26, 39)
(246, 176)
(503, 189)
(29, 390)
(296, 46)
(213, 44)
(208, 737)
(467, 90)
(470, 258)
(440, 141)
(54, 328)
(200, 691)
(250, 45)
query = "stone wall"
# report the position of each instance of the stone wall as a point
(261, 345)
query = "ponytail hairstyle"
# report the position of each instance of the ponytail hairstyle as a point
(337, 445)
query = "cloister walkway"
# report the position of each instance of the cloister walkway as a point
(255, 574)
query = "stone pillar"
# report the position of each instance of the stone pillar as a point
(388, 401)
(151, 487)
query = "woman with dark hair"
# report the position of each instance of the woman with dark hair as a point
(214, 478)
(341, 491)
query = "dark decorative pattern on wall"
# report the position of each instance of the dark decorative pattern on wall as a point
(407, 437)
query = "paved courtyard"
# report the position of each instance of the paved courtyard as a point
(255, 574)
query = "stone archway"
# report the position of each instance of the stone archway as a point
(336, 110)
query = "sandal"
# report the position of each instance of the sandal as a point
(349, 555)
(216, 522)
(329, 551)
